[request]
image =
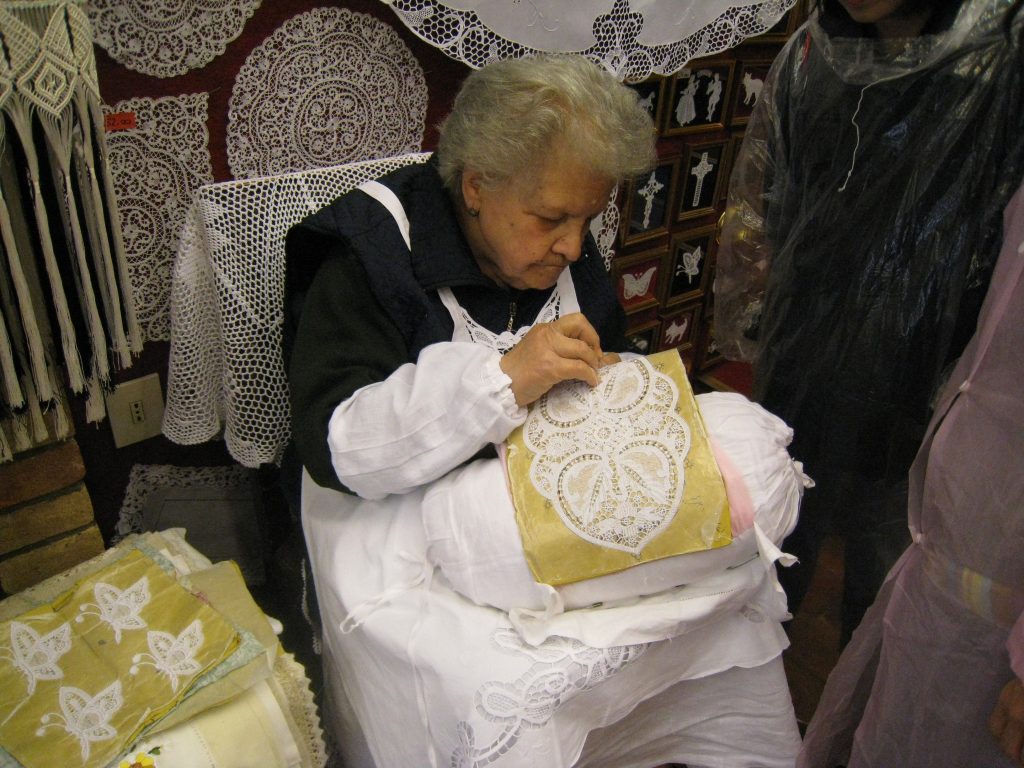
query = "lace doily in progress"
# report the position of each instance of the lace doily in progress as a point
(630, 38)
(604, 478)
(329, 86)
(227, 296)
(157, 168)
(165, 38)
(610, 458)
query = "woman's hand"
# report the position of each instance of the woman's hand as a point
(568, 348)
(1007, 721)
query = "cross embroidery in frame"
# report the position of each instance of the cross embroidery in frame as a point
(647, 203)
(700, 180)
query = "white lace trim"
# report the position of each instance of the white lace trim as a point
(561, 669)
(157, 168)
(164, 38)
(633, 39)
(610, 458)
(329, 86)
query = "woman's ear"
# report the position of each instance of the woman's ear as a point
(471, 183)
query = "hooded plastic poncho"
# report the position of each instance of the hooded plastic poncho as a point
(863, 223)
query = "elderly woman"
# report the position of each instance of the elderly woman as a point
(447, 297)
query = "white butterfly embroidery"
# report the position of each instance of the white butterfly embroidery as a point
(691, 264)
(85, 717)
(118, 608)
(637, 285)
(35, 655)
(172, 656)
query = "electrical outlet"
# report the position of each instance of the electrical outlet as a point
(136, 410)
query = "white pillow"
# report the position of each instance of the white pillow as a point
(473, 538)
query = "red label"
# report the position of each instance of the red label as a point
(119, 121)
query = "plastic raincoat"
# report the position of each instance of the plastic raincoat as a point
(863, 223)
(918, 681)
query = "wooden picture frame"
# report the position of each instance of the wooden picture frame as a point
(644, 338)
(784, 28)
(750, 77)
(691, 256)
(698, 98)
(708, 354)
(651, 93)
(732, 150)
(679, 327)
(639, 279)
(647, 209)
(699, 177)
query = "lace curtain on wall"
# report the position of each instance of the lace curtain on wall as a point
(67, 311)
(633, 39)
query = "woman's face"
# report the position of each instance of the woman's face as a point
(529, 229)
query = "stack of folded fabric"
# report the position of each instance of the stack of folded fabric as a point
(150, 655)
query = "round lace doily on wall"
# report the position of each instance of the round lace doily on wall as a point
(157, 166)
(165, 38)
(329, 86)
(633, 39)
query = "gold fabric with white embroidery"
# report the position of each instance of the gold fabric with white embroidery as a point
(607, 478)
(83, 676)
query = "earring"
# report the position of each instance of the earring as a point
(474, 212)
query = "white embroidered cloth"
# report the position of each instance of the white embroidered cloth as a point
(328, 86)
(633, 39)
(157, 167)
(165, 38)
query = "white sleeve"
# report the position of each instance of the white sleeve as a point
(425, 419)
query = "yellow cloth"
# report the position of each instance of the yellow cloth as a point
(83, 676)
(607, 478)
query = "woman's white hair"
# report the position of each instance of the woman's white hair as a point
(510, 114)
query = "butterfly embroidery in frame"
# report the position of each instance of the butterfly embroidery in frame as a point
(118, 607)
(85, 717)
(637, 285)
(173, 656)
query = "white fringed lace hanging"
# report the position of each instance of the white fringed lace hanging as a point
(633, 39)
(59, 229)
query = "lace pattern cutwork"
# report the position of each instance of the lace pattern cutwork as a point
(329, 86)
(633, 40)
(157, 167)
(610, 458)
(165, 38)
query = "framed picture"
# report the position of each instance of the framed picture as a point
(690, 260)
(638, 279)
(647, 204)
(708, 354)
(732, 149)
(782, 29)
(679, 327)
(644, 338)
(750, 77)
(652, 95)
(700, 175)
(699, 98)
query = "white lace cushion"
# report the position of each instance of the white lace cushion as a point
(473, 537)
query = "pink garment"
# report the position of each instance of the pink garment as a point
(917, 683)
